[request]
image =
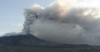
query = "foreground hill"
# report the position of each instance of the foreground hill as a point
(29, 43)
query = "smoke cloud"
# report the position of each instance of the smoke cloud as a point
(67, 24)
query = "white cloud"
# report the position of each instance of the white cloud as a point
(19, 27)
(2, 33)
(12, 27)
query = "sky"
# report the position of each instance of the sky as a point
(11, 13)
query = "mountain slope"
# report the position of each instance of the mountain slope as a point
(32, 41)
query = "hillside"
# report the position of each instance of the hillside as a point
(29, 43)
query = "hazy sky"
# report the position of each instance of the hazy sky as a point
(11, 13)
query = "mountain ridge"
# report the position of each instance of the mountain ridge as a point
(30, 40)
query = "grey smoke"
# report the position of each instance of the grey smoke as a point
(71, 26)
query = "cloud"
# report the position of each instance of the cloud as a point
(14, 28)
(19, 27)
(2, 33)
(66, 24)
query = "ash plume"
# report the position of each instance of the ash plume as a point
(64, 23)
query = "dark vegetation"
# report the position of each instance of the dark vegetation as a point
(29, 43)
